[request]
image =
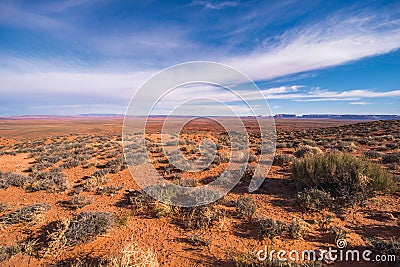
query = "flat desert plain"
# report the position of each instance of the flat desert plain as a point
(67, 197)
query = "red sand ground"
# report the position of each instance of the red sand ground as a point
(169, 240)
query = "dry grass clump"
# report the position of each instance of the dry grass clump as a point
(246, 207)
(133, 255)
(28, 214)
(98, 178)
(346, 178)
(201, 217)
(130, 256)
(82, 228)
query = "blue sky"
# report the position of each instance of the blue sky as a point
(70, 57)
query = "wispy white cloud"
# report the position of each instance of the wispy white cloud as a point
(215, 4)
(335, 41)
(359, 103)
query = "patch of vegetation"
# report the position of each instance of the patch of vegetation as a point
(306, 150)
(48, 181)
(108, 190)
(372, 154)
(391, 158)
(338, 232)
(295, 229)
(246, 207)
(346, 178)
(270, 228)
(282, 159)
(77, 202)
(82, 228)
(199, 240)
(386, 247)
(28, 214)
(313, 199)
(14, 179)
(200, 217)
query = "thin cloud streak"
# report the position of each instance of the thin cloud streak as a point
(314, 47)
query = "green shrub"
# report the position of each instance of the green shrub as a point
(270, 228)
(313, 199)
(295, 229)
(346, 178)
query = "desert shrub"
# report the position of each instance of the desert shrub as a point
(270, 228)
(77, 202)
(116, 165)
(82, 228)
(188, 182)
(346, 178)
(392, 145)
(140, 201)
(325, 222)
(108, 190)
(14, 179)
(372, 154)
(200, 217)
(85, 226)
(281, 145)
(306, 150)
(295, 229)
(70, 163)
(48, 181)
(6, 252)
(338, 232)
(363, 141)
(388, 247)
(391, 158)
(98, 178)
(48, 158)
(282, 159)
(130, 255)
(4, 206)
(199, 240)
(346, 146)
(136, 158)
(28, 214)
(246, 206)
(309, 142)
(313, 199)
